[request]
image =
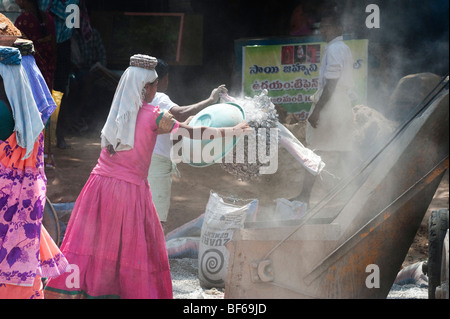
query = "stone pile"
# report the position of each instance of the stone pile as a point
(260, 114)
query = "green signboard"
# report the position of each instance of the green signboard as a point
(290, 72)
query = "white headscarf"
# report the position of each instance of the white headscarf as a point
(121, 122)
(28, 123)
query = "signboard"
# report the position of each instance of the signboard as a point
(290, 72)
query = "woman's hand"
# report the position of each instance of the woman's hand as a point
(241, 129)
(188, 120)
(215, 94)
(313, 119)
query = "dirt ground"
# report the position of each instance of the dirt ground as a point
(190, 191)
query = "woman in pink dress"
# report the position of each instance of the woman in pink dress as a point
(27, 252)
(114, 240)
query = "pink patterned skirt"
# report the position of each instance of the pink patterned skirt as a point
(27, 252)
(115, 245)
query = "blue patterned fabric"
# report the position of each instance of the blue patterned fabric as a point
(10, 56)
(27, 118)
(42, 95)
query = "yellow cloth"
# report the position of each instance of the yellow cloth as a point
(57, 96)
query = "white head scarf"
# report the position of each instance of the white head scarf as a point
(120, 124)
(28, 123)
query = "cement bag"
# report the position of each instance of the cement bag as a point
(183, 242)
(412, 274)
(221, 220)
(183, 247)
(285, 209)
(190, 229)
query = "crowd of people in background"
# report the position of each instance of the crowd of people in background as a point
(65, 56)
(27, 252)
(48, 72)
(133, 264)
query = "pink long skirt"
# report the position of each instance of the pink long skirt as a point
(115, 245)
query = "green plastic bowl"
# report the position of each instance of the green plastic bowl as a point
(202, 153)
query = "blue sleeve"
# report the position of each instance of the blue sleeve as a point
(59, 8)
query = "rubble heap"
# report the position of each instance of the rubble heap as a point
(260, 114)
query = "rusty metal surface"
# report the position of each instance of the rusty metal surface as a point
(375, 228)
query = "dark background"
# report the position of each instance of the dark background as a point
(413, 37)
